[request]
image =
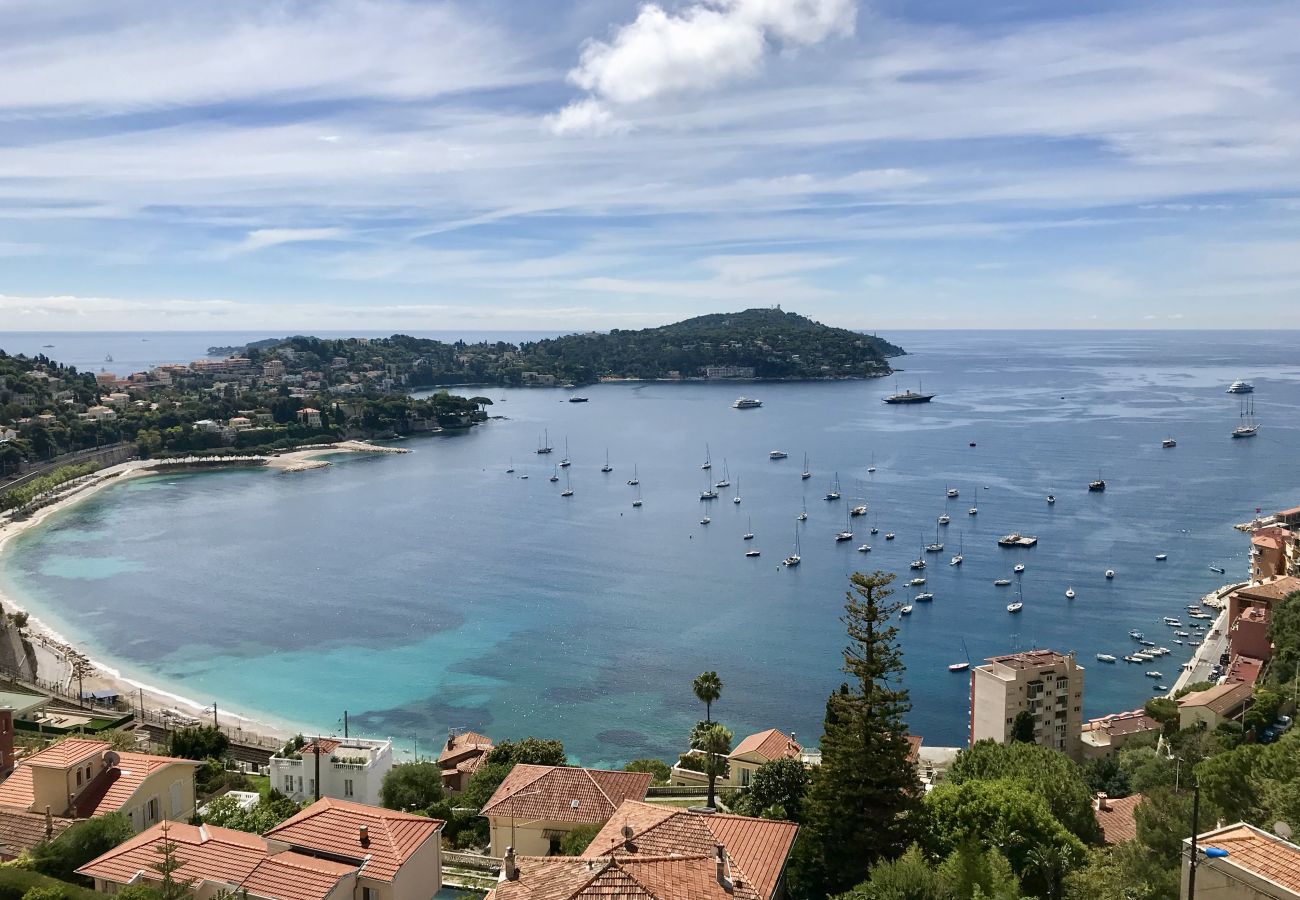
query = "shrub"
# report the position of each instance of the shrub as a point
(656, 767)
(575, 842)
(84, 841)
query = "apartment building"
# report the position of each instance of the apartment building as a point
(1046, 684)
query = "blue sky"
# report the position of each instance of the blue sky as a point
(414, 164)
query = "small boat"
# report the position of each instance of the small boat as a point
(726, 475)
(108, 358)
(1015, 607)
(511, 470)
(565, 463)
(1161, 557)
(1154, 674)
(736, 499)
(1218, 569)
(1161, 687)
(544, 445)
(705, 521)
(1178, 642)
(845, 535)
(872, 468)
(889, 535)
(803, 515)
(1145, 643)
(934, 548)
(1069, 593)
(807, 472)
(958, 666)
(1002, 582)
(577, 399)
(749, 533)
(708, 495)
(777, 454)
(752, 553)
(864, 548)
(1018, 568)
(834, 492)
(905, 611)
(606, 468)
(973, 511)
(568, 487)
(1105, 657)
(1132, 659)
(1097, 486)
(858, 511)
(917, 564)
(956, 560)
(1135, 635)
(1248, 427)
(875, 530)
(944, 519)
(1240, 387)
(555, 475)
(746, 403)
(924, 597)
(1110, 573)
(636, 476)
(1168, 442)
(1181, 634)
(917, 582)
(523, 477)
(952, 492)
(794, 558)
(1051, 498)
(708, 460)
(636, 504)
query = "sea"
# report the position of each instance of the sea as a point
(437, 589)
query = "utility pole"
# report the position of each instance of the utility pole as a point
(1191, 863)
(214, 715)
(317, 755)
(345, 724)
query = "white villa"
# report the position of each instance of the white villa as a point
(350, 769)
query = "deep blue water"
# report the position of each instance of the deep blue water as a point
(431, 589)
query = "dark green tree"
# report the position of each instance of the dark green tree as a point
(862, 804)
(412, 786)
(1022, 728)
(201, 742)
(776, 792)
(656, 767)
(575, 841)
(530, 751)
(172, 886)
(708, 688)
(84, 841)
(715, 742)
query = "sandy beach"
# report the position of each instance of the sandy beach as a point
(57, 658)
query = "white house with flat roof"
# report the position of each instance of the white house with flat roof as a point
(350, 769)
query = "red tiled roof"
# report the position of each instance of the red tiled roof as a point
(1219, 699)
(217, 854)
(109, 791)
(618, 878)
(326, 745)
(334, 827)
(770, 744)
(1272, 589)
(459, 744)
(757, 848)
(1117, 823)
(1244, 670)
(563, 794)
(21, 830)
(295, 876)
(914, 743)
(1258, 852)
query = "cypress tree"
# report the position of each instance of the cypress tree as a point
(863, 799)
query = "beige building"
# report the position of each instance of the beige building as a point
(81, 779)
(1258, 865)
(332, 850)
(748, 757)
(1046, 684)
(464, 754)
(1102, 738)
(1214, 706)
(537, 805)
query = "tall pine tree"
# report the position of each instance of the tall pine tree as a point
(861, 807)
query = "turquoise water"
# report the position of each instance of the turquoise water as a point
(431, 589)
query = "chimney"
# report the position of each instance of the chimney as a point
(364, 835)
(451, 740)
(1103, 802)
(509, 871)
(49, 822)
(723, 881)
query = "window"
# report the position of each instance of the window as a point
(300, 784)
(151, 810)
(288, 784)
(78, 778)
(369, 894)
(347, 787)
(744, 777)
(176, 799)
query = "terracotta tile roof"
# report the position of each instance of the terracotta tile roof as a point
(1258, 852)
(110, 791)
(66, 754)
(1273, 589)
(334, 827)
(563, 794)
(1117, 823)
(21, 830)
(1220, 699)
(914, 743)
(618, 878)
(208, 852)
(757, 848)
(295, 876)
(770, 744)
(326, 745)
(1244, 670)
(460, 744)
(1134, 722)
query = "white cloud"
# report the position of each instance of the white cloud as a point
(585, 116)
(260, 238)
(703, 47)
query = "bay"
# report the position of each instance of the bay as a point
(433, 590)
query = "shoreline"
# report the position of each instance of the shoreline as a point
(56, 656)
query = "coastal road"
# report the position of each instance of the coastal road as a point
(1207, 654)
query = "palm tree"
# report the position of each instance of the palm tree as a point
(708, 688)
(715, 741)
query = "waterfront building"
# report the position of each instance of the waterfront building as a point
(756, 850)
(537, 805)
(1214, 706)
(80, 779)
(1257, 865)
(462, 756)
(1268, 552)
(1248, 635)
(330, 851)
(1046, 684)
(1103, 738)
(348, 769)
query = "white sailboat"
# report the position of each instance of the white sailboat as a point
(708, 493)
(726, 475)
(511, 470)
(803, 516)
(1248, 427)
(607, 468)
(708, 459)
(806, 473)
(794, 558)
(749, 530)
(872, 467)
(1020, 601)
(847, 533)
(736, 499)
(555, 475)
(564, 463)
(834, 492)
(636, 504)
(544, 445)
(956, 560)
(636, 477)
(961, 666)
(568, 488)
